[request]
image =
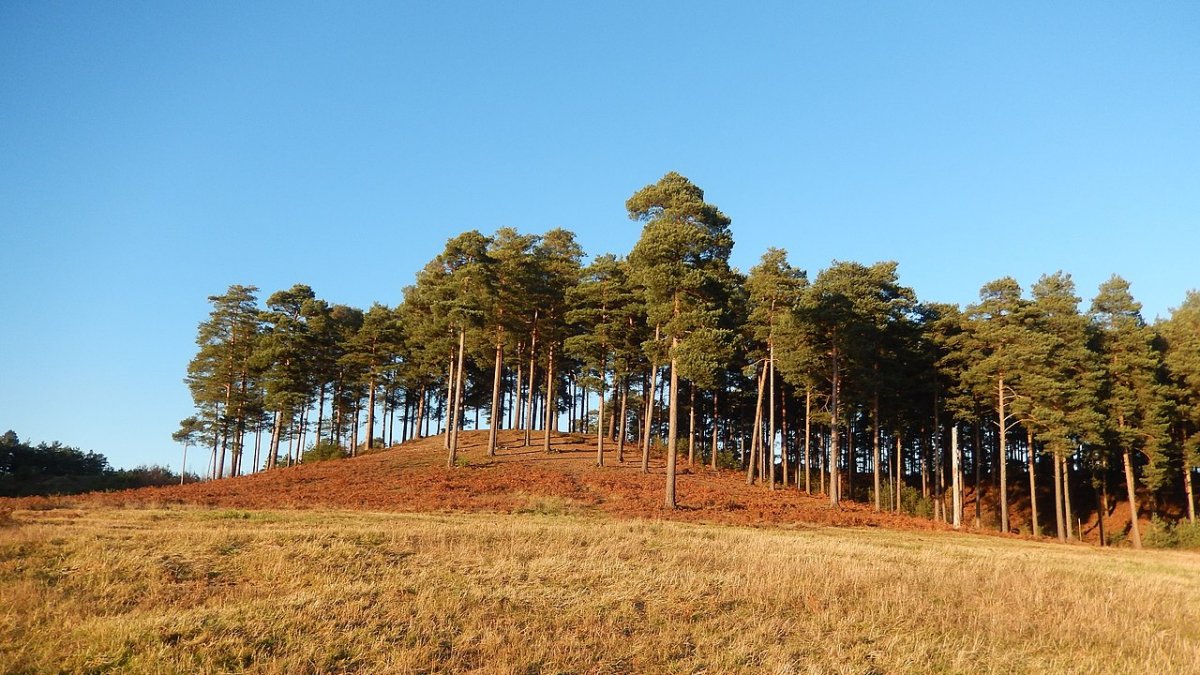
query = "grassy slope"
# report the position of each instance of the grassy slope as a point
(188, 590)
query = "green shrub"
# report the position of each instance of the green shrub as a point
(1172, 534)
(324, 451)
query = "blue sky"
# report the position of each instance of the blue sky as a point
(152, 154)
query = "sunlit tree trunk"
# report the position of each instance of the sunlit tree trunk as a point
(1059, 522)
(756, 430)
(551, 401)
(1033, 510)
(456, 400)
(672, 425)
(496, 376)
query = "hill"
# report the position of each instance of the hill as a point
(413, 477)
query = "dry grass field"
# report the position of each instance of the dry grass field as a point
(553, 588)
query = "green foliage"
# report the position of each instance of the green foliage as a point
(54, 468)
(1172, 534)
(323, 451)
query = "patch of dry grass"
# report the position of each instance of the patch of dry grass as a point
(191, 590)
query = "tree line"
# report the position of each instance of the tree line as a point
(843, 384)
(54, 468)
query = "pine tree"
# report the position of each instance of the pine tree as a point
(1182, 335)
(1132, 395)
(222, 376)
(680, 260)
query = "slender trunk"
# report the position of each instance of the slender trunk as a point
(770, 447)
(899, 470)
(600, 421)
(717, 426)
(783, 436)
(449, 400)
(1061, 530)
(834, 420)
(807, 439)
(1003, 459)
(875, 444)
(551, 402)
(691, 424)
(417, 432)
(612, 413)
(532, 385)
(956, 478)
(183, 468)
(371, 414)
(496, 421)
(258, 446)
(320, 411)
(517, 418)
(1066, 476)
(1187, 489)
(672, 429)
(756, 430)
(276, 433)
(651, 385)
(1033, 510)
(621, 429)
(455, 401)
(1102, 507)
(1134, 532)
(977, 460)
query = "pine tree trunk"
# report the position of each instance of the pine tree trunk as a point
(320, 411)
(876, 451)
(899, 470)
(456, 407)
(276, 433)
(691, 424)
(756, 433)
(834, 421)
(651, 385)
(1187, 489)
(1033, 510)
(672, 429)
(1066, 476)
(371, 414)
(716, 427)
(183, 466)
(496, 421)
(977, 460)
(600, 422)
(612, 412)
(449, 400)
(1134, 531)
(517, 418)
(807, 440)
(621, 431)
(769, 454)
(417, 431)
(532, 385)
(1059, 522)
(1003, 445)
(551, 401)
(956, 483)
(783, 436)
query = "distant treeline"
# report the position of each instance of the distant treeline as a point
(843, 383)
(57, 469)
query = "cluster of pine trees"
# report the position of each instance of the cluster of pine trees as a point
(844, 384)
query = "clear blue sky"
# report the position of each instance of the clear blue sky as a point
(153, 153)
